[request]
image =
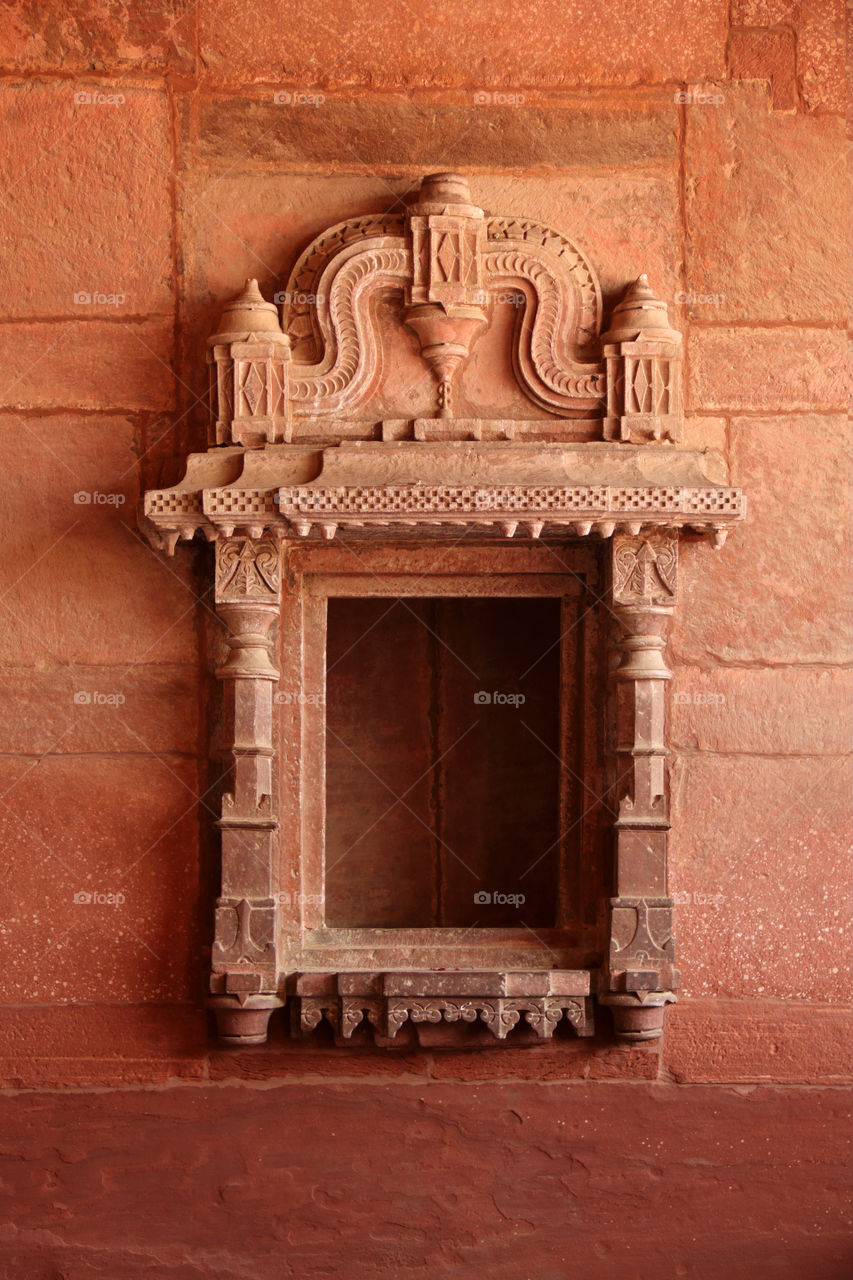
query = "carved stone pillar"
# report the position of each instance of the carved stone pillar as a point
(639, 976)
(243, 978)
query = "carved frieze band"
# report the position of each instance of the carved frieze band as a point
(500, 1014)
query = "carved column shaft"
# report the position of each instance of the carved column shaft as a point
(640, 975)
(244, 969)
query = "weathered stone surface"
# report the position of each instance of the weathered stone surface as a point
(51, 34)
(93, 364)
(102, 892)
(488, 1171)
(79, 585)
(754, 1041)
(100, 1044)
(819, 27)
(821, 55)
(83, 201)
(761, 369)
(440, 44)
(765, 222)
(758, 864)
(779, 710)
(794, 540)
(80, 709)
(367, 135)
(766, 55)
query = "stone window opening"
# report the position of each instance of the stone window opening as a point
(356, 458)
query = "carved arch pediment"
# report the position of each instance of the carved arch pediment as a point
(445, 256)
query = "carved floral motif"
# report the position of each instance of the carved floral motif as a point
(247, 570)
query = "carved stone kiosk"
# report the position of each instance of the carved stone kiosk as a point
(310, 497)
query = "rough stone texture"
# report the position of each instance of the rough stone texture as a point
(80, 586)
(101, 1044)
(801, 616)
(509, 1181)
(790, 709)
(83, 201)
(766, 55)
(765, 215)
(761, 369)
(128, 37)
(596, 130)
(68, 706)
(758, 1041)
(440, 44)
(91, 364)
(819, 27)
(103, 893)
(737, 935)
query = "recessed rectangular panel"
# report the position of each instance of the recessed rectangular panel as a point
(442, 771)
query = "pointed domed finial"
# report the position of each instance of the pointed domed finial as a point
(446, 191)
(249, 313)
(639, 311)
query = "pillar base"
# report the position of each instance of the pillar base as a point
(638, 1018)
(243, 1022)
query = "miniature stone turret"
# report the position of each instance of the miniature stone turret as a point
(248, 358)
(643, 355)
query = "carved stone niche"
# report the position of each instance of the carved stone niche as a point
(508, 543)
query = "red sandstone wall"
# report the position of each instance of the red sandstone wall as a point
(147, 161)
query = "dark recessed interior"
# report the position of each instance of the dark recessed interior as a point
(433, 794)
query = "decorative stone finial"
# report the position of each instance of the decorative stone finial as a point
(447, 188)
(643, 354)
(249, 313)
(640, 312)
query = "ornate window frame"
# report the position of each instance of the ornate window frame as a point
(296, 466)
